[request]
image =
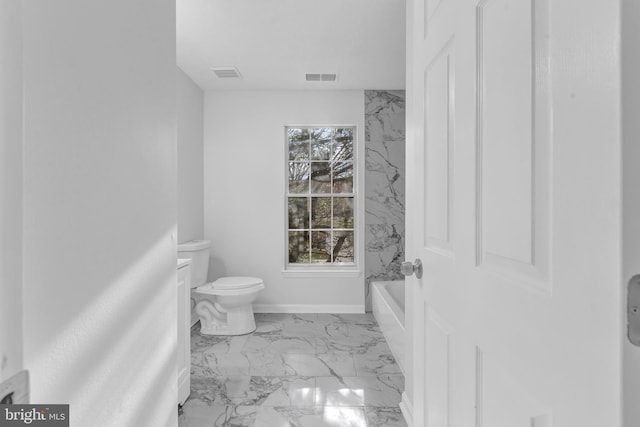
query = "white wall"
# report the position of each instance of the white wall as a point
(190, 159)
(631, 212)
(10, 188)
(100, 209)
(245, 191)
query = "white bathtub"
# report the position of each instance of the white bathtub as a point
(388, 308)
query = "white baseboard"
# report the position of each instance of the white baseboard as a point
(407, 409)
(307, 308)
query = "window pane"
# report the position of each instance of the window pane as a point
(343, 147)
(321, 212)
(321, 143)
(320, 177)
(299, 246)
(298, 212)
(343, 212)
(344, 135)
(343, 177)
(298, 177)
(321, 246)
(298, 144)
(343, 246)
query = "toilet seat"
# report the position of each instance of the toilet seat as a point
(233, 283)
(236, 282)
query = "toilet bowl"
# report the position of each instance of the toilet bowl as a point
(225, 305)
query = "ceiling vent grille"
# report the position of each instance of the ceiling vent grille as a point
(321, 77)
(226, 72)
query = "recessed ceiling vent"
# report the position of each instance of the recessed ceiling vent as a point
(226, 72)
(321, 77)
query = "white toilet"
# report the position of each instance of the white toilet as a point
(224, 305)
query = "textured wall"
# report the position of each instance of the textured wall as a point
(384, 186)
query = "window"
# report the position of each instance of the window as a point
(320, 196)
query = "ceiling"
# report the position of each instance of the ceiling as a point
(274, 43)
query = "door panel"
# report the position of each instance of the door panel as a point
(513, 108)
(438, 365)
(506, 129)
(504, 402)
(438, 154)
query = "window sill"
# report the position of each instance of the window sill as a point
(318, 272)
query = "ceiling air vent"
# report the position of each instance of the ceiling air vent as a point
(321, 77)
(226, 72)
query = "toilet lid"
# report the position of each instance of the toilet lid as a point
(235, 282)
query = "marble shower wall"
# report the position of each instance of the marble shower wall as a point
(384, 186)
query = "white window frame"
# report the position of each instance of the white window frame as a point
(314, 269)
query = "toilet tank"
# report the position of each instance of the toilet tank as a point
(198, 252)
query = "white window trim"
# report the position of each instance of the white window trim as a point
(330, 270)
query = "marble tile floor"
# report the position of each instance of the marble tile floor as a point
(295, 370)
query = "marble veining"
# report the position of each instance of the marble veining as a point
(384, 417)
(384, 186)
(304, 370)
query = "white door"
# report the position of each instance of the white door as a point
(513, 206)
